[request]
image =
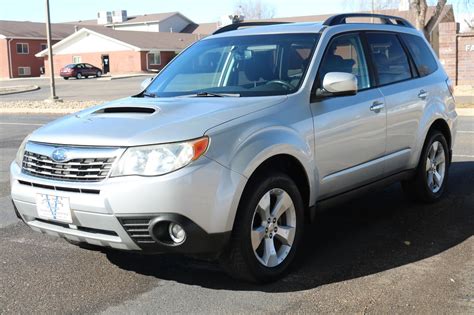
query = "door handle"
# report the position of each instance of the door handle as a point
(423, 94)
(377, 106)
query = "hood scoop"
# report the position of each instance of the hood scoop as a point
(126, 110)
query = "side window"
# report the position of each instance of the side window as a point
(422, 55)
(345, 53)
(390, 60)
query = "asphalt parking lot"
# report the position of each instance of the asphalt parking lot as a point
(376, 254)
(76, 90)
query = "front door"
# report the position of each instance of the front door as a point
(105, 64)
(350, 131)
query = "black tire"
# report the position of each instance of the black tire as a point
(66, 78)
(98, 74)
(417, 188)
(79, 76)
(239, 259)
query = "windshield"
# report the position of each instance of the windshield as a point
(257, 65)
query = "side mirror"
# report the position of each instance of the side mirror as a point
(146, 82)
(338, 84)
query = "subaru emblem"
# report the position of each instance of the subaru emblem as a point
(59, 155)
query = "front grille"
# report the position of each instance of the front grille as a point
(69, 189)
(88, 169)
(137, 229)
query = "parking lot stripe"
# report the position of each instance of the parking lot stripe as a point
(20, 124)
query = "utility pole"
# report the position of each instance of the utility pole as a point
(372, 9)
(50, 54)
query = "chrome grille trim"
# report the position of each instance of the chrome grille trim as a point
(43, 166)
(84, 164)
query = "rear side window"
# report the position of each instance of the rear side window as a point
(424, 60)
(390, 60)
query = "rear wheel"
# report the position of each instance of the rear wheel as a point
(98, 74)
(429, 183)
(79, 76)
(267, 230)
(66, 78)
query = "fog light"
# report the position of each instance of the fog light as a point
(177, 233)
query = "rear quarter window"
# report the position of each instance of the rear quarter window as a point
(391, 62)
(422, 55)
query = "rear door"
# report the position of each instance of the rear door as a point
(89, 70)
(349, 130)
(405, 96)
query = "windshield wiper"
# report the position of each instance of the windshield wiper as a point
(149, 94)
(210, 94)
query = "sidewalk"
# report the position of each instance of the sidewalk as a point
(464, 94)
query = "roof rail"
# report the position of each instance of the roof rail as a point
(385, 19)
(236, 26)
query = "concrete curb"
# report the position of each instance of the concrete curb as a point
(465, 111)
(8, 110)
(21, 89)
(125, 77)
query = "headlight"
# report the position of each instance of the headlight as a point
(21, 152)
(159, 159)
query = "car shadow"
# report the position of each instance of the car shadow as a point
(374, 233)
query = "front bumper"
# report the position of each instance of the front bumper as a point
(202, 197)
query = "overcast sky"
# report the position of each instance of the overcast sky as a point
(196, 10)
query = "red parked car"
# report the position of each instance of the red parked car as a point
(79, 71)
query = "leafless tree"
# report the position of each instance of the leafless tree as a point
(420, 7)
(255, 9)
(373, 5)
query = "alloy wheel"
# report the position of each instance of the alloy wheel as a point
(435, 166)
(273, 227)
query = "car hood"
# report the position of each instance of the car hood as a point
(139, 121)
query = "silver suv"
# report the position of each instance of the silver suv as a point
(238, 140)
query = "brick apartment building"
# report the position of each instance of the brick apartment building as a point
(125, 51)
(20, 41)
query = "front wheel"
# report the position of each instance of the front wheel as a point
(429, 183)
(267, 230)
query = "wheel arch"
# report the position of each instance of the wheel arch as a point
(442, 126)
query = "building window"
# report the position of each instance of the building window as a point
(76, 59)
(22, 48)
(154, 59)
(23, 71)
(44, 47)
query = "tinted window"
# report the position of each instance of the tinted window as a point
(391, 61)
(346, 54)
(424, 60)
(246, 65)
